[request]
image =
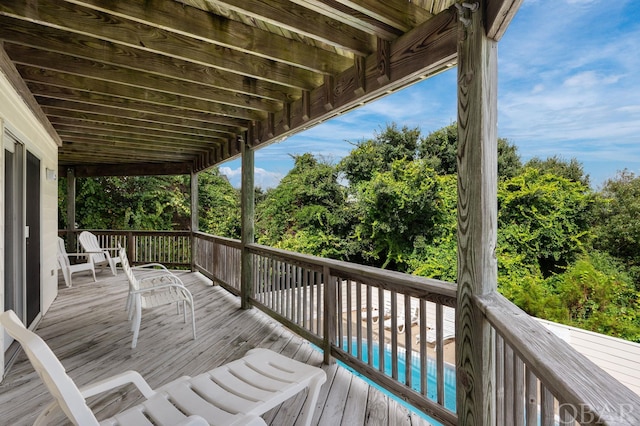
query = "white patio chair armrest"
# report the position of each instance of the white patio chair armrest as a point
(170, 280)
(128, 377)
(161, 286)
(148, 265)
(97, 251)
(78, 254)
(196, 421)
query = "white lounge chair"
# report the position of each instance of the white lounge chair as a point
(401, 323)
(448, 327)
(158, 289)
(68, 269)
(232, 394)
(375, 312)
(99, 256)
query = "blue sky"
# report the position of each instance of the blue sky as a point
(567, 86)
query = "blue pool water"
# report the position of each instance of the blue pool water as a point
(449, 376)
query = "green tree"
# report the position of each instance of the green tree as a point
(437, 258)
(305, 211)
(545, 218)
(599, 297)
(219, 204)
(377, 154)
(395, 208)
(440, 148)
(571, 169)
(617, 220)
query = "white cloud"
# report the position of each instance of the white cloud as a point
(262, 178)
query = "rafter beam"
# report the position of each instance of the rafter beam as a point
(89, 22)
(426, 50)
(499, 14)
(85, 69)
(137, 169)
(195, 23)
(81, 46)
(9, 70)
(304, 21)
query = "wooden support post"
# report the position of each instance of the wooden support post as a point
(329, 323)
(195, 217)
(477, 216)
(248, 220)
(71, 210)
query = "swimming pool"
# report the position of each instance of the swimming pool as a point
(449, 375)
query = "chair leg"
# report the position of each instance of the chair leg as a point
(130, 306)
(310, 404)
(193, 320)
(137, 319)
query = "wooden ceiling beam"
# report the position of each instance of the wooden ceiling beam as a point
(101, 100)
(385, 19)
(102, 145)
(426, 50)
(67, 107)
(13, 76)
(196, 23)
(82, 20)
(137, 79)
(67, 125)
(288, 15)
(350, 16)
(107, 121)
(499, 14)
(137, 169)
(42, 81)
(81, 46)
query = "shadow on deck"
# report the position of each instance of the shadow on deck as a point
(87, 329)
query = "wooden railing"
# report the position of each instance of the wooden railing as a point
(540, 379)
(397, 330)
(218, 259)
(172, 248)
(335, 305)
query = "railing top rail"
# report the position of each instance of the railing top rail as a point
(130, 231)
(569, 375)
(222, 240)
(413, 285)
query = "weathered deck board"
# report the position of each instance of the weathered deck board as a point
(87, 329)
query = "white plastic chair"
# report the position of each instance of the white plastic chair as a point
(99, 256)
(232, 394)
(69, 269)
(158, 288)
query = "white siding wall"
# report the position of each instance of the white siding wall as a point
(618, 357)
(17, 118)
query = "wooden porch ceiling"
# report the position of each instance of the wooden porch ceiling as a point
(166, 87)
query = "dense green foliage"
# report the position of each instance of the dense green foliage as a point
(306, 212)
(153, 203)
(565, 252)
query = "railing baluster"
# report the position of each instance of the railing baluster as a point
(394, 334)
(501, 407)
(381, 336)
(423, 348)
(369, 327)
(531, 398)
(546, 406)
(518, 391)
(440, 354)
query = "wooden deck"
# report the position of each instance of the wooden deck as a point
(88, 330)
